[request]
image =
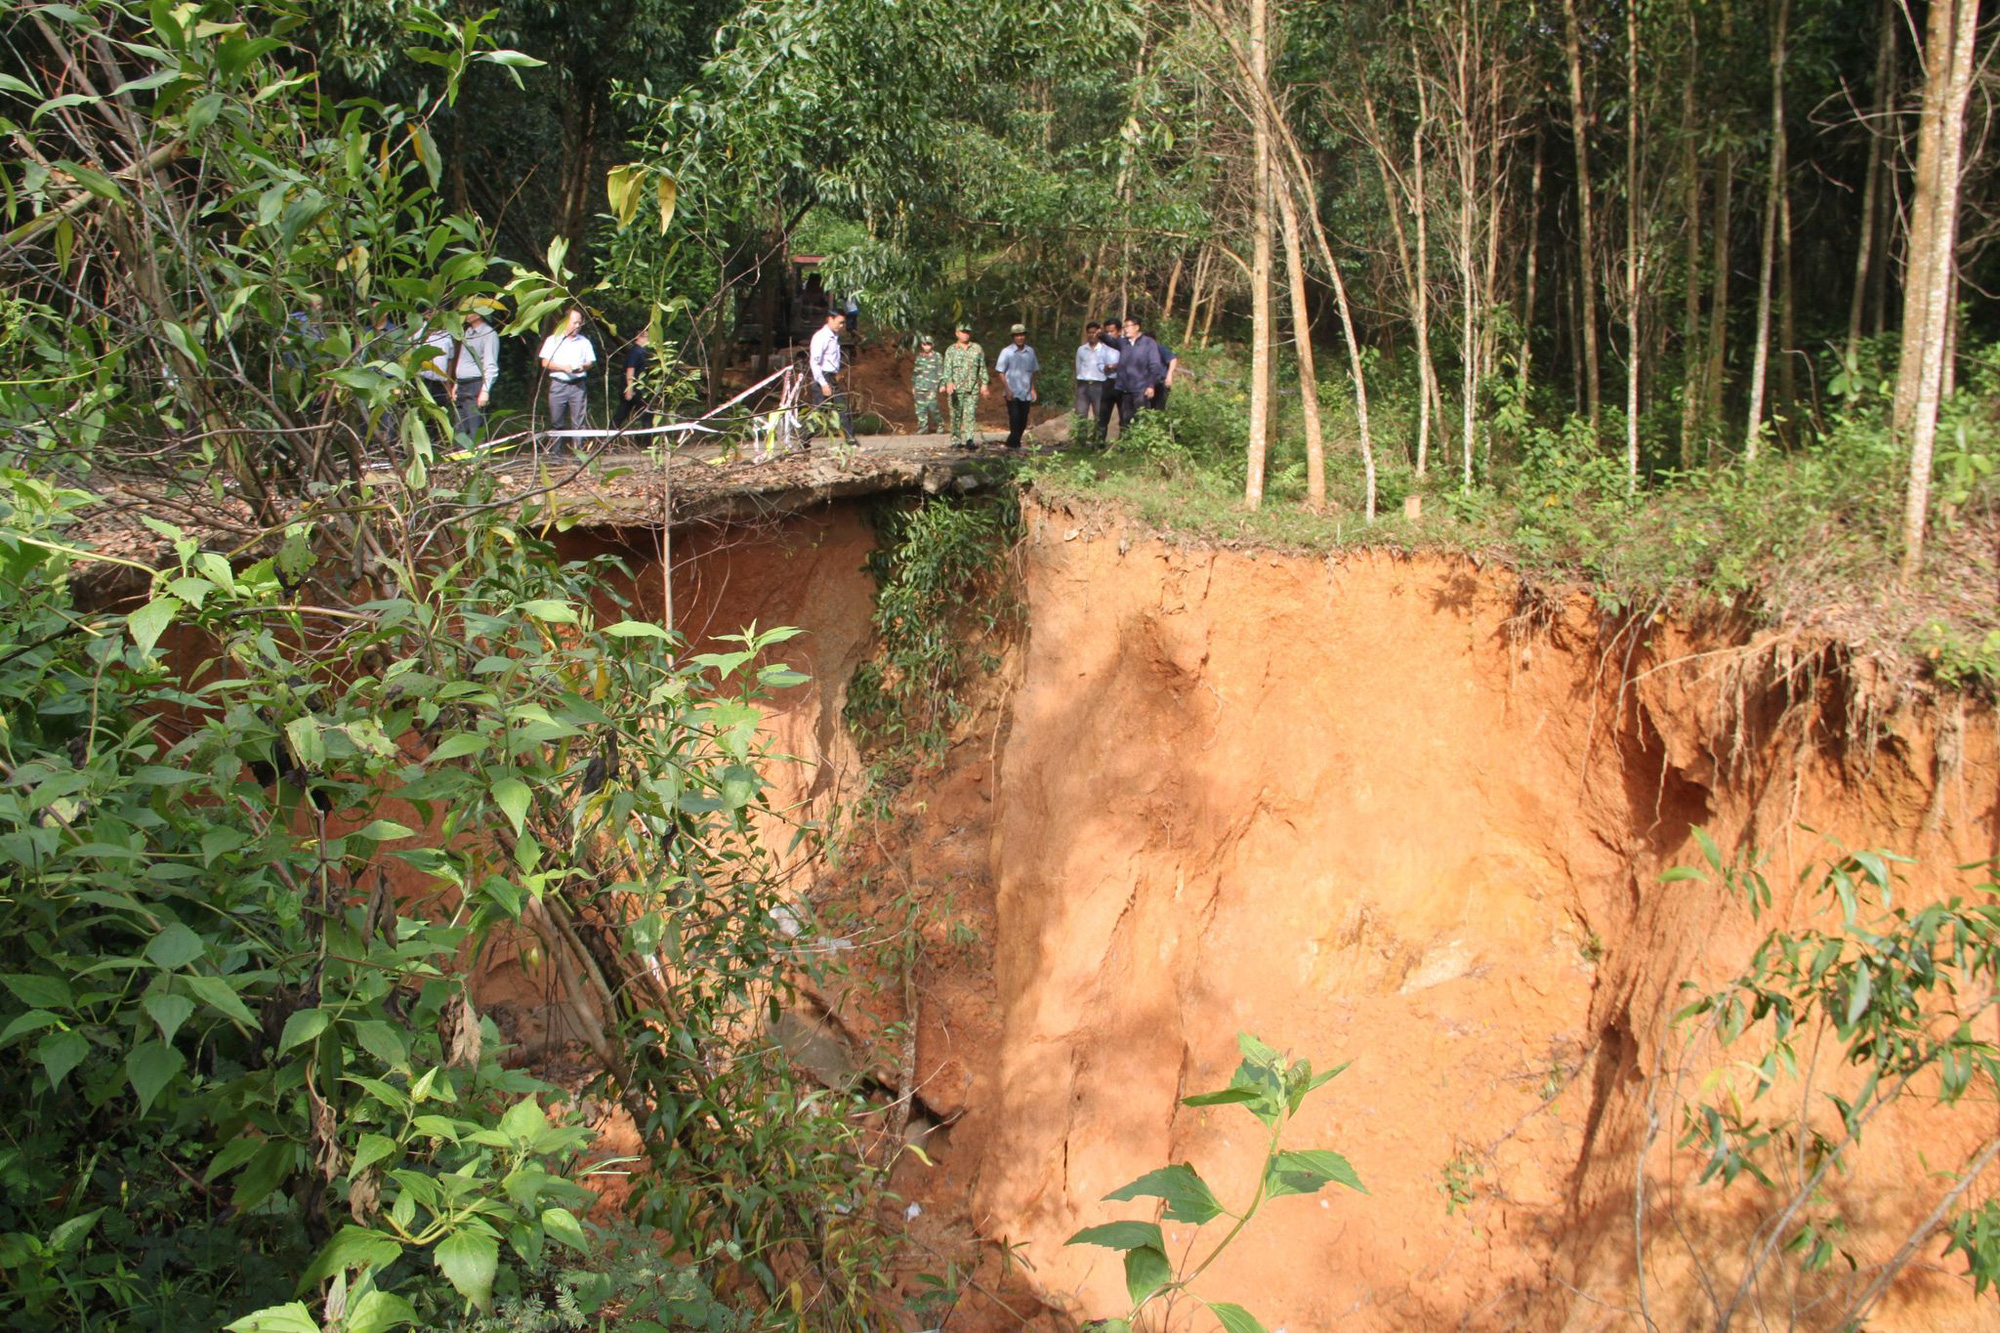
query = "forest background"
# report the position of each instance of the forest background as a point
(1540, 262)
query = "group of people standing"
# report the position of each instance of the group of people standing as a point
(1120, 369)
(459, 372)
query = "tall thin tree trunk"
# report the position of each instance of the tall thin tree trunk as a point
(1871, 182)
(1260, 265)
(1295, 272)
(1788, 316)
(1586, 280)
(1302, 177)
(1718, 300)
(1534, 248)
(1468, 210)
(1948, 359)
(1208, 320)
(1692, 365)
(1201, 268)
(1173, 287)
(1948, 66)
(1634, 251)
(1420, 299)
(1774, 185)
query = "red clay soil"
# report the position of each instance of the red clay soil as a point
(1372, 808)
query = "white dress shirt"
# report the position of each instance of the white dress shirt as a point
(824, 358)
(569, 355)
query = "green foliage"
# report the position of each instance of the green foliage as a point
(1271, 1088)
(940, 576)
(242, 881)
(1880, 1006)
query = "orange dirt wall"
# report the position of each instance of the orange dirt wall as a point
(1342, 803)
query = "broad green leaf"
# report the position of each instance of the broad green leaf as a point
(377, 1312)
(1188, 1198)
(384, 830)
(293, 1318)
(1306, 1172)
(468, 1259)
(549, 610)
(459, 745)
(636, 629)
(146, 624)
(151, 1066)
(1234, 1318)
(169, 1011)
(43, 992)
(524, 1120)
(354, 1247)
(1226, 1097)
(511, 59)
(373, 1148)
(32, 1021)
(1147, 1269)
(60, 1052)
(302, 1026)
(219, 995)
(562, 1224)
(511, 795)
(1121, 1236)
(382, 1041)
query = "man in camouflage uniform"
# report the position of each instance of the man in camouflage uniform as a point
(965, 378)
(924, 386)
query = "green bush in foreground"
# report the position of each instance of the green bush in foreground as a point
(242, 890)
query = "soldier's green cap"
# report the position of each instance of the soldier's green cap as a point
(923, 339)
(963, 328)
(1018, 328)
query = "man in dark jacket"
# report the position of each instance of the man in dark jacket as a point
(1141, 371)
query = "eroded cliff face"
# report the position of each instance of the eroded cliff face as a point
(1391, 810)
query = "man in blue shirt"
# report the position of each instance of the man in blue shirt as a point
(1089, 383)
(1017, 366)
(1141, 371)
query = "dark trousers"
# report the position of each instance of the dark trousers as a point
(471, 416)
(1159, 403)
(837, 397)
(1129, 404)
(632, 411)
(1017, 420)
(1107, 407)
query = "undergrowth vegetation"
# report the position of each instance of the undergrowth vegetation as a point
(943, 587)
(255, 844)
(1810, 529)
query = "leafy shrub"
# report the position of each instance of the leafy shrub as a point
(1271, 1088)
(938, 568)
(244, 880)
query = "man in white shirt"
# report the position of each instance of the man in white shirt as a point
(1089, 383)
(475, 366)
(567, 356)
(1017, 367)
(824, 362)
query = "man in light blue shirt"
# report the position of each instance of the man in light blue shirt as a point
(1089, 383)
(1017, 366)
